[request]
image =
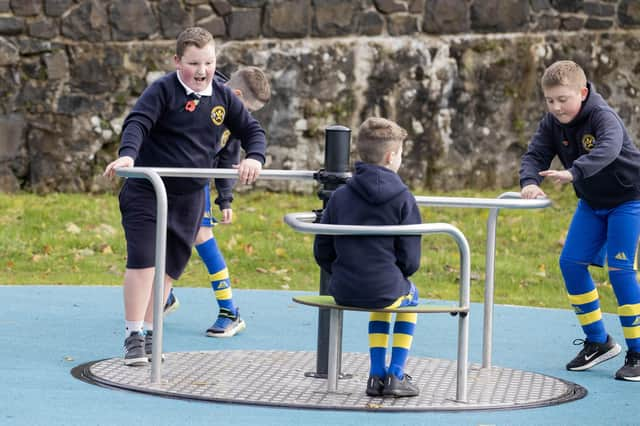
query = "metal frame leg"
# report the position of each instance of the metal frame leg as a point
(335, 350)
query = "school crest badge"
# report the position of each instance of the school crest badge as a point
(217, 115)
(588, 142)
(225, 138)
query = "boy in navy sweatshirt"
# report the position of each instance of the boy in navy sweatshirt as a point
(373, 272)
(177, 122)
(603, 164)
(251, 85)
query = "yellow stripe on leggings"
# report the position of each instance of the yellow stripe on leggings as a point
(401, 340)
(629, 310)
(631, 332)
(220, 275)
(378, 340)
(581, 299)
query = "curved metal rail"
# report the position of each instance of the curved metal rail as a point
(153, 175)
(507, 200)
(301, 222)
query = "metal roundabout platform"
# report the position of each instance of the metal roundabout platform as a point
(277, 378)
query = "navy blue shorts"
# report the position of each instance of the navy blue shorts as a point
(138, 210)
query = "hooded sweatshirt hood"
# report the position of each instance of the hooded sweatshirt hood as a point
(376, 184)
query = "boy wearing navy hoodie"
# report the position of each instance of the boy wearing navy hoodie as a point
(373, 272)
(603, 164)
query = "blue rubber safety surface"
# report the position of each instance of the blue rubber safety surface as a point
(45, 331)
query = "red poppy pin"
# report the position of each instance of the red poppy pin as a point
(191, 105)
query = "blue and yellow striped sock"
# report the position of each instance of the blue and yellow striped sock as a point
(403, 330)
(584, 298)
(625, 285)
(218, 273)
(379, 325)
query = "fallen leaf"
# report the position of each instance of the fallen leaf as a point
(261, 270)
(106, 249)
(248, 249)
(280, 252)
(72, 228)
(105, 229)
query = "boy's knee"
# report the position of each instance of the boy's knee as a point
(569, 263)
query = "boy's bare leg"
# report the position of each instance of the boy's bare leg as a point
(137, 292)
(168, 282)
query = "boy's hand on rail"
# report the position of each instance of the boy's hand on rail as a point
(531, 192)
(110, 170)
(558, 176)
(227, 216)
(248, 170)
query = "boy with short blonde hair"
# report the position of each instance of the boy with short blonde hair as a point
(373, 272)
(603, 165)
(178, 121)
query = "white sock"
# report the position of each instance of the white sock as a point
(148, 326)
(132, 326)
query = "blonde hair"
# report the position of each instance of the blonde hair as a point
(564, 73)
(378, 136)
(192, 36)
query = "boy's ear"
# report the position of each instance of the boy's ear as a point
(387, 157)
(584, 92)
(238, 92)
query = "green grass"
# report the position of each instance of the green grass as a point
(77, 239)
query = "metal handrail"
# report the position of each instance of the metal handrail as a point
(302, 222)
(507, 200)
(153, 174)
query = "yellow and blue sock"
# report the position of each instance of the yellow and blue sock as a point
(379, 326)
(627, 291)
(403, 330)
(218, 274)
(584, 298)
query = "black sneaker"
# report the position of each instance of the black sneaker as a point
(134, 354)
(398, 388)
(148, 344)
(593, 353)
(375, 386)
(172, 304)
(631, 369)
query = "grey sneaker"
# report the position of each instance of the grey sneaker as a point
(398, 388)
(134, 353)
(593, 353)
(227, 324)
(148, 344)
(631, 369)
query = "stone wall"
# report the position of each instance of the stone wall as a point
(461, 75)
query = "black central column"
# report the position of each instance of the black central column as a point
(335, 174)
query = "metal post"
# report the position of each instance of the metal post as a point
(336, 171)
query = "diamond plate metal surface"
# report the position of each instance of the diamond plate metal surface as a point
(277, 378)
